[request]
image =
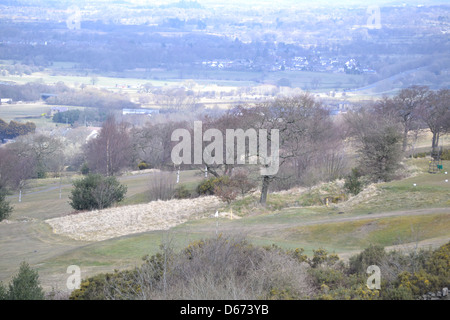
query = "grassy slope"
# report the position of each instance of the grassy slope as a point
(294, 226)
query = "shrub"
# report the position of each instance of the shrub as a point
(353, 184)
(242, 182)
(445, 155)
(439, 266)
(25, 285)
(207, 186)
(106, 286)
(5, 208)
(373, 255)
(3, 292)
(397, 293)
(216, 268)
(226, 190)
(96, 192)
(417, 283)
(161, 186)
(421, 155)
(181, 192)
(321, 257)
(84, 169)
(143, 165)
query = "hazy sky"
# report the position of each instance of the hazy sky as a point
(271, 3)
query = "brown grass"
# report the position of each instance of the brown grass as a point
(109, 223)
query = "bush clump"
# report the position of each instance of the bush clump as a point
(5, 207)
(353, 183)
(24, 286)
(95, 192)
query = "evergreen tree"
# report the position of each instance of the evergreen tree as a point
(25, 285)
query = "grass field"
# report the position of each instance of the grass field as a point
(397, 214)
(131, 80)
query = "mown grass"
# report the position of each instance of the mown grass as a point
(388, 231)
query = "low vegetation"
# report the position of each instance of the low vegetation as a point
(231, 268)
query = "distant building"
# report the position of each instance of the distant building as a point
(139, 111)
(5, 100)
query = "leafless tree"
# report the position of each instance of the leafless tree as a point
(436, 114)
(111, 151)
(15, 170)
(161, 186)
(152, 142)
(405, 107)
(302, 123)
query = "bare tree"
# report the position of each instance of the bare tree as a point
(436, 114)
(405, 107)
(111, 151)
(15, 170)
(47, 152)
(301, 122)
(152, 143)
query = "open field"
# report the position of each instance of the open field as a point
(32, 112)
(391, 214)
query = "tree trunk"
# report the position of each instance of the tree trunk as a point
(435, 140)
(405, 139)
(264, 190)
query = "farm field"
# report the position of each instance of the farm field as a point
(205, 79)
(394, 214)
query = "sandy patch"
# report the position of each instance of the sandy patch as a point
(144, 171)
(114, 222)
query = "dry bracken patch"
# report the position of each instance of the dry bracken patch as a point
(109, 223)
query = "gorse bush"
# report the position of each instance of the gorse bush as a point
(207, 186)
(232, 268)
(216, 268)
(225, 187)
(143, 165)
(373, 255)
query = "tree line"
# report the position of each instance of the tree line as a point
(61, 94)
(14, 129)
(312, 144)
